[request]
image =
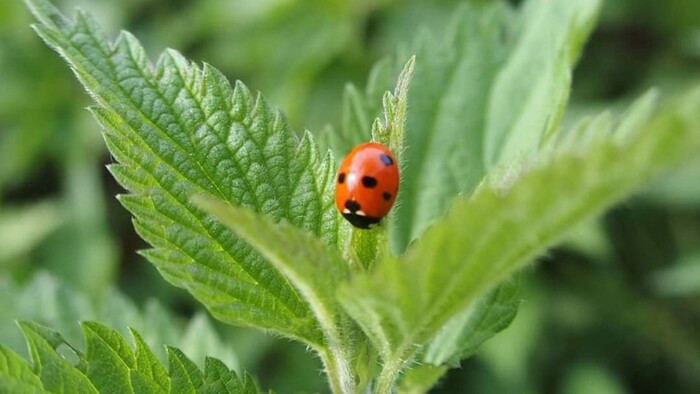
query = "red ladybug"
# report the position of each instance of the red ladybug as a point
(366, 184)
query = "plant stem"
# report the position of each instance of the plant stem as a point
(388, 375)
(336, 365)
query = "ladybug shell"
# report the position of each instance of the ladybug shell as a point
(366, 184)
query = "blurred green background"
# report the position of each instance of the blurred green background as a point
(615, 309)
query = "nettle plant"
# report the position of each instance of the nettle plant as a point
(238, 208)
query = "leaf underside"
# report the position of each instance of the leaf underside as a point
(504, 225)
(484, 92)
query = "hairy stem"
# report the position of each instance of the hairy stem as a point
(388, 376)
(337, 366)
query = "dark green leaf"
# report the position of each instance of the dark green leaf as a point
(177, 129)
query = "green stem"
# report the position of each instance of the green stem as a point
(365, 358)
(388, 376)
(337, 367)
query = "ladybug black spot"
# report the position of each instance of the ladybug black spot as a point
(352, 206)
(341, 177)
(369, 182)
(386, 196)
(386, 159)
(363, 222)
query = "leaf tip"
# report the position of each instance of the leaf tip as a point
(47, 14)
(242, 100)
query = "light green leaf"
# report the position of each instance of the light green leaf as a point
(360, 108)
(45, 300)
(117, 310)
(141, 384)
(49, 301)
(150, 373)
(56, 373)
(365, 247)
(420, 379)
(219, 379)
(391, 132)
(110, 365)
(200, 339)
(530, 92)
(83, 251)
(460, 337)
(16, 375)
(588, 377)
(503, 226)
(681, 279)
(109, 359)
(316, 36)
(177, 129)
(313, 269)
(22, 228)
(184, 375)
(480, 97)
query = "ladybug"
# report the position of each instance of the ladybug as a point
(366, 184)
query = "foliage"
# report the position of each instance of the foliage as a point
(482, 151)
(110, 365)
(52, 303)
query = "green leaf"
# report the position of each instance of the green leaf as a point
(460, 337)
(359, 110)
(200, 340)
(22, 228)
(313, 269)
(184, 375)
(216, 378)
(110, 365)
(219, 379)
(485, 91)
(366, 247)
(503, 226)
(56, 373)
(420, 379)
(177, 129)
(109, 359)
(83, 251)
(16, 375)
(151, 375)
(391, 132)
(51, 302)
(42, 299)
(317, 36)
(531, 89)
(681, 279)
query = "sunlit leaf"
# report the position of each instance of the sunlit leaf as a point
(179, 129)
(503, 226)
